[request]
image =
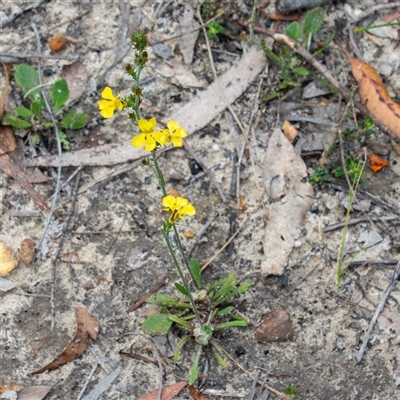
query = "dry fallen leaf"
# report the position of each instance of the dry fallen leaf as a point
(290, 131)
(290, 195)
(7, 140)
(88, 326)
(173, 192)
(374, 95)
(196, 394)
(168, 392)
(34, 392)
(8, 260)
(14, 386)
(76, 76)
(377, 163)
(5, 90)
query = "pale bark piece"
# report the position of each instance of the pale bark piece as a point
(168, 392)
(87, 326)
(34, 392)
(193, 116)
(103, 385)
(188, 40)
(76, 76)
(285, 178)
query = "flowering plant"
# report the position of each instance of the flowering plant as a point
(202, 305)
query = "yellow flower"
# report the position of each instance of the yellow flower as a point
(148, 138)
(176, 133)
(177, 206)
(110, 103)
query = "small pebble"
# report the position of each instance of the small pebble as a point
(8, 260)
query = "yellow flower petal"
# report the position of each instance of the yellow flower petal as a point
(147, 126)
(138, 141)
(107, 93)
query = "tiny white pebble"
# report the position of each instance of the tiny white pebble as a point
(215, 147)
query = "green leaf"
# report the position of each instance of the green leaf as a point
(47, 124)
(313, 21)
(230, 324)
(181, 288)
(15, 121)
(293, 30)
(27, 78)
(23, 111)
(225, 311)
(64, 140)
(157, 323)
(180, 321)
(59, 95)
(195, 271)
(74, 121)
(36, 107)
(195, 367)
(301, 71)
(177, 355)
(219, 357)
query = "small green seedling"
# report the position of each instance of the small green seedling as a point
(214, 29)
(365, 128)
(291, 391)
(320, 175)
(354, 168)
(290, 64)
(34, 118)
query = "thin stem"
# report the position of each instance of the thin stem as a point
(159, 174)
(184, 281)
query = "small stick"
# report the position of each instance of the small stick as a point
(379, 309)
(354, 221)
(17, 14)
(224, 246)
(116, 236)
(201, 232)
(40, 56)
(155, 289)
(205, 169)
(102, 232)
(203, 25)
(88, 380)
(138, 357)
(160, 367)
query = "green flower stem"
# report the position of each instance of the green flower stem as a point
(184, 281)
(161, 181)
(159, 174)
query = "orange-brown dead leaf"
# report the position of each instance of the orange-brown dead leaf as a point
(377, 163)
(196, 394)
(173, 192)
(7, 140)
(290, 131)
(168, 392)
(189, 235)
(375, 97)
(283, 17)
(14, 386)
(87, 326)
(243, 206)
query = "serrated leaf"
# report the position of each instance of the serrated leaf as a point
(181, 288)
(27, 78)
(23, 111)
(301, 71)
(59, 95)
(74, 121)
(195, 271)
(313, 21)
(293, 30)
(157, 323)
(15, 121)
